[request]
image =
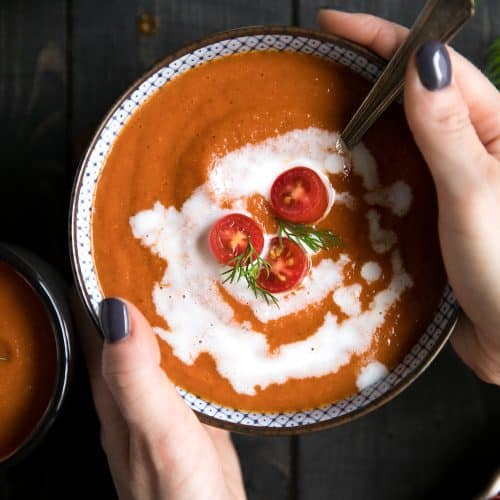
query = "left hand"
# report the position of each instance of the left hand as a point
(156, 447)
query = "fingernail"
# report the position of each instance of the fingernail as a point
(433, 65)
(113, 316)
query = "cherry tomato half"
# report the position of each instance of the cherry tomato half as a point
(299, 195)
(289, 265)
(229, 237)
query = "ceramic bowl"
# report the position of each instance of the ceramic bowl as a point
(52, 290)
(332, 48)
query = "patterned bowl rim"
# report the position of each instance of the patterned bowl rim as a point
(333, 421)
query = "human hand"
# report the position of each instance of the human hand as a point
(455, 120)
(155, 445)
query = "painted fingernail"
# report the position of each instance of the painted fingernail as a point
(433, 65)
(113, 316)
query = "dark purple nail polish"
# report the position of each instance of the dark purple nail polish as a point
(113, 316)
(433, 65)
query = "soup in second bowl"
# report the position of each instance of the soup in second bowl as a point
(28, 360)
(192, 176)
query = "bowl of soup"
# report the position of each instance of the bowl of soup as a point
(35, 351)
(230, 145)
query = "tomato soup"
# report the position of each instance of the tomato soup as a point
(211, 144)
(28, 360)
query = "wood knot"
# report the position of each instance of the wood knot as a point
(147, 24)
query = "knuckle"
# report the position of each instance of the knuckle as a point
(453, 119)
(112, 372)
(381, 36)
(123, 378)
(157, 452)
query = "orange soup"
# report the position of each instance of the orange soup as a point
(28, 360)
(211, 143)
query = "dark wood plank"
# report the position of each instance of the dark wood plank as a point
(69, 459)
(395, 10)
(34, 192)
(109, 52)
(33, 117)
(437, 440)
(472, 41)
(266, 463)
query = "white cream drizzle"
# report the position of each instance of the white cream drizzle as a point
(346, 199)
(371, 374)
(382, 240)
(371, 271)
(397, 197)
(364, 165)
(188, 297)
(347, 298)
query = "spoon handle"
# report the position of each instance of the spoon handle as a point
(439, 20)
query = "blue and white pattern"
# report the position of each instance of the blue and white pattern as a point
(421, 353)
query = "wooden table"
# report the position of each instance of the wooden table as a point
(62, 64)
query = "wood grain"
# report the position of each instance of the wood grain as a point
(33, 140)
(109, 52)
(33, 203)
(472, 41)
(436, 440)
(267, 466)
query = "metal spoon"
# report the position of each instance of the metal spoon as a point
(438, 20)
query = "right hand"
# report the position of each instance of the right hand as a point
(457, 129)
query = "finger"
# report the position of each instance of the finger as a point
(131, 368)
(483, 100)
(439, 118)
(114, 433)
(379, 35)
(228, 459)
(473, 352)
(384, 37)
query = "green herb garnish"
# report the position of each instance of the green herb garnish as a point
(308, 237)
(247, 266)
(4, 358)
(492, 68)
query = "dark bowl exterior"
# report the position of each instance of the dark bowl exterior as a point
(52, 290)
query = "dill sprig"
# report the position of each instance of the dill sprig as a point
(492, 68)
(308, 237)
(248, 266)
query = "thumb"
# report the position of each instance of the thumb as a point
(439, 119)
(132, 371)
